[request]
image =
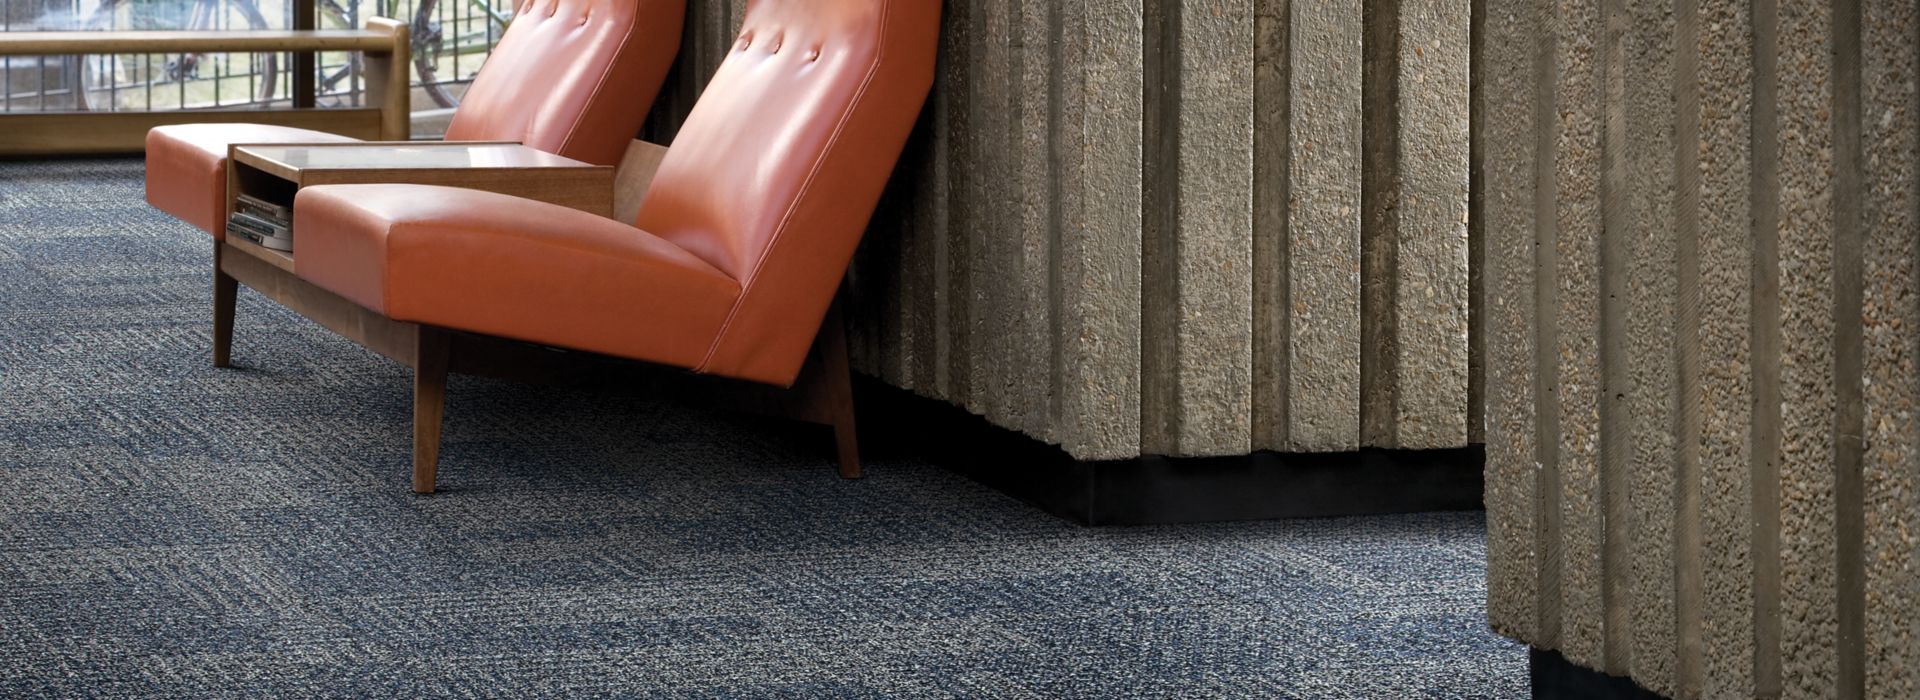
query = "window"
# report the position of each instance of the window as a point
(451, 38)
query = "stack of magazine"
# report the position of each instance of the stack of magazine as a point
(262, 222)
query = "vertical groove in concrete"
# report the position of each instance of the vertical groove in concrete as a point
(1380, 224)
(1430, 294)
(736, 16)
(924, 256)
(914, 228)
(1321, 308)
(1689, 551)
(1726, 260)
(1577, 253)
(1066, 124)
(1273, 28)
(1548, 515)
(878, 319)
(1808, 608)
(1615, 429)
(1476, 226)
(1849, 411)
(718, 29)
(1037, 199)
(1160, 400)
(1890, 119)
(1513, 465)
(999, 292)
(1644, 194)
(955, 380)
(1766, 443)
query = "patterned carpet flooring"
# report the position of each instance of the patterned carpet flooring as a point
(172, 530)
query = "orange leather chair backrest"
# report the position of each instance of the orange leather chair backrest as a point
(573, 77)
(778, 167)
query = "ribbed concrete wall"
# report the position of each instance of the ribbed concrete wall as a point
(1136, 226)
(1702, 316)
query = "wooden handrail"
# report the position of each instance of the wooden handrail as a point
(249, 41)
(384, 42)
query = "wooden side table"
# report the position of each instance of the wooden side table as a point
(276, 172)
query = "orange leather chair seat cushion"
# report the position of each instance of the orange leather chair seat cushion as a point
(187, 166)
(516, 268)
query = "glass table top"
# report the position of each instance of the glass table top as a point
(420, 156)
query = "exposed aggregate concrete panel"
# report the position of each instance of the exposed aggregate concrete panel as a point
(1011, 266)
(1765, 198)
(1307, 243)
(1512, 455)
(1726, 263)
(1891, 334)
(1654, 397)
(1037, 227)
(1323, 235)
(1212, 373)
(1807, 247)
(1100, 258)
(1577, 239)
(1430, 309)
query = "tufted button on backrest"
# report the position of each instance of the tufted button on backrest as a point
(573, 77)
(777, 169)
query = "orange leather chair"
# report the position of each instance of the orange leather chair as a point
(740, 244)
(570, 77)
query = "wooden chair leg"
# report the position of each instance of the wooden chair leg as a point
(836, 390)
(225, 290)
(429, 404)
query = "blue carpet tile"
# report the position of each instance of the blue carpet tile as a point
(172, 530)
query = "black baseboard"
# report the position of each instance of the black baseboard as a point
(1556, 678)
(1163, 490)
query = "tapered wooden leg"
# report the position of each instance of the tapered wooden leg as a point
(225, 289)
(429, 404)
(836, 390)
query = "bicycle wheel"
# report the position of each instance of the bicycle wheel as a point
(427, 45)
(205, 14)
(269, 63)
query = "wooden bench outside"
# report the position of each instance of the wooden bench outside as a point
(384, 43)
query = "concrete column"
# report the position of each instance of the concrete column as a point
(1757, 301)
(1099, 329)
(1307, 226)
(1653, 301)
(1891, 338)
(1807, 237)
(1414, 345)
(1511, 165)
(1727, 263)
(954, 301)
(1038, 226)
(1576, 329)
(994, 362)
(1196, 366)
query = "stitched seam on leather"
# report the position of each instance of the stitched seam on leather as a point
(746, 286)
(593, 97)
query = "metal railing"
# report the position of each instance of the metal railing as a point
(451, 38)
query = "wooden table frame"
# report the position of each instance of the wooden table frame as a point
(384, 43)
(822, 394)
